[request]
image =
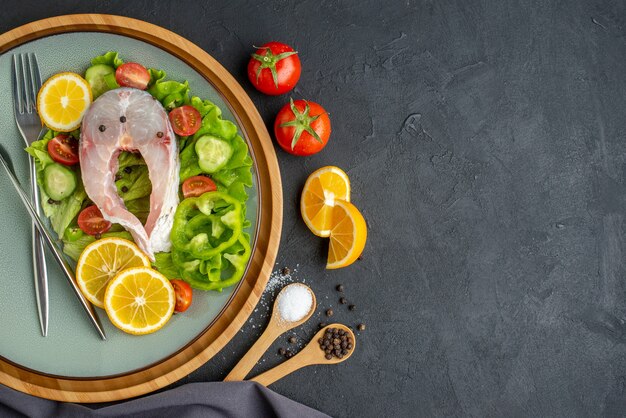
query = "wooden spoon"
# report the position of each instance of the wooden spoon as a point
(311, 354)
(275, 328)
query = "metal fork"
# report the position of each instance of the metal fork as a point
(26, 83)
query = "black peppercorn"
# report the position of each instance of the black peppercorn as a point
(97, 236)
(289, 354)
(160, 134)
(329, 312)
(281, 351)
(292, 340)
(102, 128)
(51, 201)
(339, 288)
(343, 301)
(285, 271)
(128, 170)
(118, 177)
(352, 307)
(124, 189)
(123, 119)
(361, 327)
(336, 342)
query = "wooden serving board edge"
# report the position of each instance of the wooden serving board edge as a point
(268, 235)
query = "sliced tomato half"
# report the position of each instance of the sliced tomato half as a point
(184, 295)
(133, 75)
(185, 120)
(63, 149)
(198, 185)
(91, 221)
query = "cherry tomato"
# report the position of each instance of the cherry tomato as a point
(302, 127)
(186, 120)
(63, 149)
(274, 69)
(198, 185)
(132, 74)
(91, 222)
(184, 295)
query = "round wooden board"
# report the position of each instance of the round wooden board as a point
(267, 240)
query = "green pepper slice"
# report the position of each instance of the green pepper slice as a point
(205, 226)
(207, 274)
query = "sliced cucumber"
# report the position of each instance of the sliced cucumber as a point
(95, 76)
(213, 153)
(59, 181)
(111, 82)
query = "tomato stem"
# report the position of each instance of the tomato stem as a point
(269, 60)
(302, 123)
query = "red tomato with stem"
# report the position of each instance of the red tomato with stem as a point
(274, 69)
(133, 75)
(185, 120)
(63, 149)
(91, 221)
(184, 295)
(198, 185)
(302, 127)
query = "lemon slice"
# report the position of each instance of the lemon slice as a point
(101, 260)
(63, 100)
(321, 189)
(347, 236)
(139, 300)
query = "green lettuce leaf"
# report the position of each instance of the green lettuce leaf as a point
(133, 184)
(139, 207)
(164, 264)
(73, 248)
(170, 93)
(189, 161)
(212, 122)
(110, 58)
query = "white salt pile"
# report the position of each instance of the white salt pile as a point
(295, 302)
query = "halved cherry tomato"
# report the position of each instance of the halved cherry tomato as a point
(274, 69)
(186, 120)
(132, 74)
(63, 149)
(184, 295)
(91, 222)
(198, 185)
(302, 127)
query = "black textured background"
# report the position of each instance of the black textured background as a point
(486, 146)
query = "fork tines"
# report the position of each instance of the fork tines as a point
(26, 82)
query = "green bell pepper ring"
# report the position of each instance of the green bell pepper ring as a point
(206, 274)
(73, 234)
(207, 225)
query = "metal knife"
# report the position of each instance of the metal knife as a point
(56, 251)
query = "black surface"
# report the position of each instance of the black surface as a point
(486, 146)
